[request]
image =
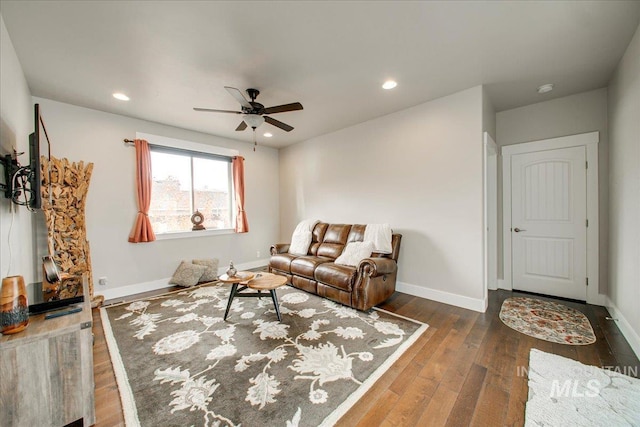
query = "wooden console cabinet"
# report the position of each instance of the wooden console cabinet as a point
(46, 371)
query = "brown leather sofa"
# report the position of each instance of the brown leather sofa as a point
(361, 287)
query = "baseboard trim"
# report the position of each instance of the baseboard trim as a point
(137, 288)
(625, 327)
(245, 265)
(502, 284)
(597, 299)
(154, 285)
(475, 304)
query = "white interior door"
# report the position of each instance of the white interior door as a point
(549, 230)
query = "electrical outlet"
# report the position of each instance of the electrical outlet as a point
(257, 254)
(102, 281)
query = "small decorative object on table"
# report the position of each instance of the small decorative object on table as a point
(14, 307)
(197, 219)
(231, 272)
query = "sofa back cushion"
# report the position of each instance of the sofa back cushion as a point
(335, 238)
(316, 237)
(356, 234)
(333, 247)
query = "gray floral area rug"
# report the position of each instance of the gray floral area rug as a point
(563, 392)
(177, 362)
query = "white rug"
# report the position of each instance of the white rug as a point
(563, 392)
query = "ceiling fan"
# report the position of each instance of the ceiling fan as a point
(254, 112)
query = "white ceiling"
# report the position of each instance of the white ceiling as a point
(330, 56)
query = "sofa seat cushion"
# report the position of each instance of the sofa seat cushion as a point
(336, 276)
(282, 262)
(306, 265)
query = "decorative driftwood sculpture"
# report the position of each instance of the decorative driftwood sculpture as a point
(65, 215)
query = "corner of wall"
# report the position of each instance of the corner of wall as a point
(623, 111)
(16, 257)
(488, 114)
(630, 334)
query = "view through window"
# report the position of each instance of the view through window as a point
(184, 182)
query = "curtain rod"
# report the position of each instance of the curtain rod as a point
(130, 142)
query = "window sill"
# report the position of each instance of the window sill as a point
(190, 234)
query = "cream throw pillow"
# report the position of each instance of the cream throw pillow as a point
(354, 253)
(187, 274)
(211, 273)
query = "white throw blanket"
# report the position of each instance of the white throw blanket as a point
(380, 236)
(301, 238)
(355, 252)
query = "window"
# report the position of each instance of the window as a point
(185, 181)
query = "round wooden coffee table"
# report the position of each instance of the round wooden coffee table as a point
(240, 277)
(260, 282)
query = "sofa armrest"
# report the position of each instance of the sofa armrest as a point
(374, 267)
(280, 248)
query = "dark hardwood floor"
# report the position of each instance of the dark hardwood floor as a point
(468, 368)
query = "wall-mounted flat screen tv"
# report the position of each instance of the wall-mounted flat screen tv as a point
(20, 183)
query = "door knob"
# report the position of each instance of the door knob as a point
(517, 230)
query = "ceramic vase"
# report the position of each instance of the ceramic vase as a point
(231, 272)
(14, 306)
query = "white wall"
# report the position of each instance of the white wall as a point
(16, 123)
(624, 193)
(93, 136)
(570, 115)
(420, 170)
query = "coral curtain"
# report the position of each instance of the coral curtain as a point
(142, 231)
(242, 226)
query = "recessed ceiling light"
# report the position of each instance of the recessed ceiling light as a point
(120, 96)
(545, 88)
(389, 84)
(268, 134)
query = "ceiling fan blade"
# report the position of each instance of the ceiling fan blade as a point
(216, 111)
(238, 96)
(242, 126)
(278, 124)
(283, 108)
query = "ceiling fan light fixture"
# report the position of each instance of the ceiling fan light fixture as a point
(252, 112)
(253, 120)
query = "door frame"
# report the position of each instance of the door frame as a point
(490, 195)
(588, 140)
